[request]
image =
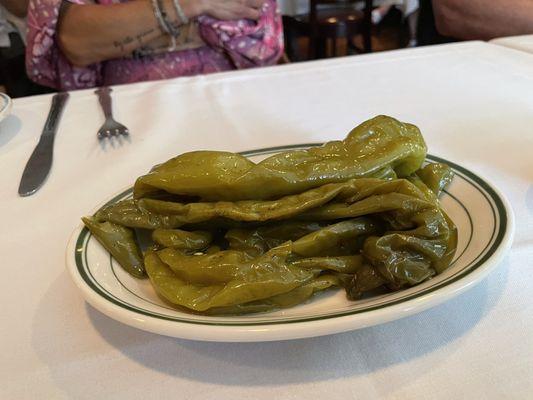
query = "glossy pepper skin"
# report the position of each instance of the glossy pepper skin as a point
(248, 280)
(120, 242)
(419, 240)
(380, 146)
(284, 300)
(256, 241)
(153, 213)
(436, 177)
(227, 265)
(128, 213)
(233, 278)
(362, 213)
(180, 239)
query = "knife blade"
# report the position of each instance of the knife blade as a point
(40, 161)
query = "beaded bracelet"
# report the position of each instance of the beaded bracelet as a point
(159, 16)
(172, 30)
(179, 11)
(165, 24)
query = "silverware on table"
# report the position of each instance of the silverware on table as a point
(40, 161)
(110, 127)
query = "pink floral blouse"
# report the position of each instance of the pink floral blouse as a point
(230, 45)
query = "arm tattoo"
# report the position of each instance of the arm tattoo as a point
(139, 39)
(148, 51)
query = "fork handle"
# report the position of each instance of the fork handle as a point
(104, 98)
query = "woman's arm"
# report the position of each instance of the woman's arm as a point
(91, 33)
(483, 19)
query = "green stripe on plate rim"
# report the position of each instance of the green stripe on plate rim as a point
(491, 196)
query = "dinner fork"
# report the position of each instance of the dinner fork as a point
(110, 127)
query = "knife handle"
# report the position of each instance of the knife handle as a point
(58, 103)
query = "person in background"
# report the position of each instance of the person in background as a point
(12, 47)
(442, 21)
(80, 44)
(483, 19)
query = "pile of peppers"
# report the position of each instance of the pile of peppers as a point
(229, 236)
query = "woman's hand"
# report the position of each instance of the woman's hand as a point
(232, 9)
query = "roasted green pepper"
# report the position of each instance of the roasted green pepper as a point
(362, 213)
(120, 242)
(373, 148)
(257, 279)
(179, 239)
(284, 300)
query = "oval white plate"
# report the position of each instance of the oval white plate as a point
(485, 225)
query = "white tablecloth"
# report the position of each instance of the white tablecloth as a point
(524, 42)
(474, 104)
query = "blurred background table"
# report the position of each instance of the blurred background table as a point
(324, 28)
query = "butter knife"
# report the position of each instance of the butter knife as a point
(40, 161)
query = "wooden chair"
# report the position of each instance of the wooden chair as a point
(330, 20)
